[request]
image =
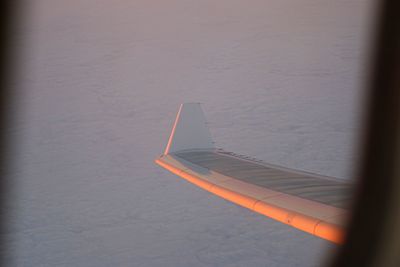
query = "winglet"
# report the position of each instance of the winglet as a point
(190, 130)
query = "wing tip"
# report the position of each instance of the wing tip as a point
(190, 130)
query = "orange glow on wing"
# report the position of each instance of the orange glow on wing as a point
(308, 224)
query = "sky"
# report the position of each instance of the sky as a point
(98, 87)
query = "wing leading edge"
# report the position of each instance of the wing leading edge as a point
(312, 203)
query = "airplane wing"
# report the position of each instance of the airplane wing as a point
(312, 203)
